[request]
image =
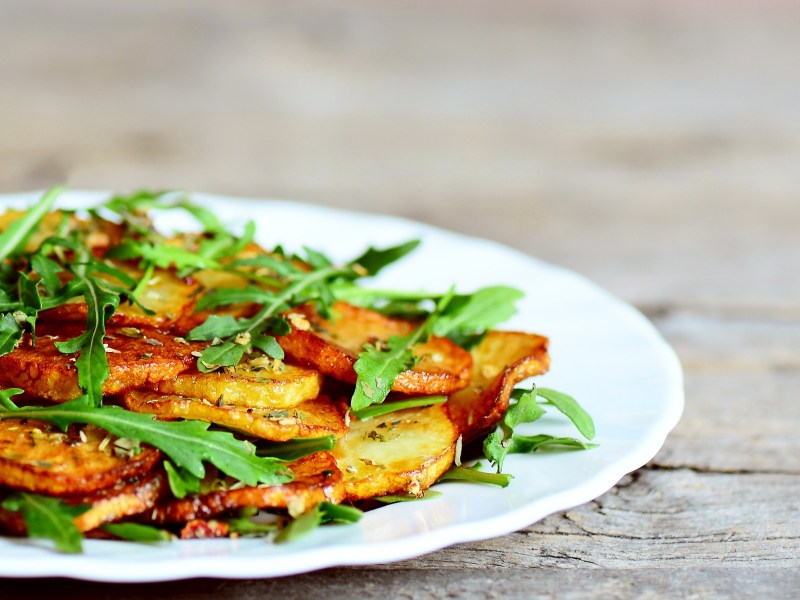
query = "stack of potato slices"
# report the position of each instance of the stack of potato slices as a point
(294, 372)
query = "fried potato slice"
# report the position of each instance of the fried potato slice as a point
(316, 479)
(37, 457)
(136, 358)
(259, 383)
(402, 452)
(171, 299)
(314, 418)
(501, 360)
(126, 499)
(332, 347)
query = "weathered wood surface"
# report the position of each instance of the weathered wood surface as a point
(653, 148)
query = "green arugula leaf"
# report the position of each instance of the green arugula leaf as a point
(521, 444)
(48, 271)
(569, 407)
(478, 312)
(324, 512)
(394, 499)
(220, 355)
(377, 410)
(377, 368)
(10, 332)
(246, 527)
(48, 518)
(374, 260)
(5, 398)
(186, 443)
(15, 236)
(181, 481)
(216, 327)
(471, 474)
(229, 353)
(92, 363)
(294, 449)
(136, 532)
(526, 409)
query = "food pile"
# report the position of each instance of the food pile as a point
(178, 384)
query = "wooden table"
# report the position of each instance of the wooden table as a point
(654, 149)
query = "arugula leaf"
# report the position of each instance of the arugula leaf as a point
(230, 353)
(5, 398)
(374, 260)
(377, 368)
(10, 332)
(393, 499)
(136, 532)
(571, 409)
(186, 443)
(478, 312)
(48, 518)
(15, 236)
(181, 481)
(521, 444)
(48, 271)
(294, 449)
(92, 363)
(504, 440)
(472, 474)
(324, 512)
(246, 527)
(377, 410)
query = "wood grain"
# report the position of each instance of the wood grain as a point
(652, 147)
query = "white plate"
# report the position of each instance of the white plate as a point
(603, 352)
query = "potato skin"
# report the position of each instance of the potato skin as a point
(501, 360)
(36, 457)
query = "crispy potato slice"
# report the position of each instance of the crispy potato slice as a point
(171, 298)
(501, 360)
(125, 499)
(260, 383)
(314, 418)
(402, 452)
(316, 479)
(332, 347)
(135, 359)
(37, 457)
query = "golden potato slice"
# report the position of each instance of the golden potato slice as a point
(314, 418)
(402, 452)
(37, 457)
(332, 347)
(259, 383)
(125, 499)
(136, 358)
(316, 479)
(501, 360)
(171, 298)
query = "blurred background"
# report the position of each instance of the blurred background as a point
(652, 146)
